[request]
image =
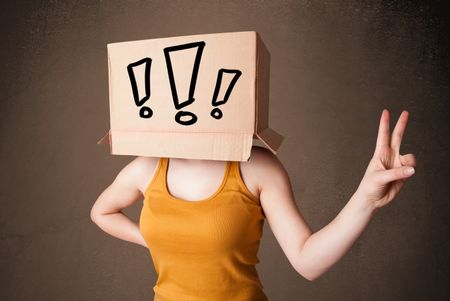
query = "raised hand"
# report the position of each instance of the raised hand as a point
(387, 170)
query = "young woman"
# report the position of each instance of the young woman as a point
(202, 219)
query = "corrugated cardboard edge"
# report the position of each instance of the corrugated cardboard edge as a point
(263, 132)
(271, 139)
(231, 147)
(107, 138)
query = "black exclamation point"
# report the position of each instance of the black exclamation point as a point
(144, 112)
(216, 112)
(192, 118)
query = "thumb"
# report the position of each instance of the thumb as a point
(394, 174)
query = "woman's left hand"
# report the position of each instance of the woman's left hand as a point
(387, 170)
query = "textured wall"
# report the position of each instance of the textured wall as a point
(334, 68)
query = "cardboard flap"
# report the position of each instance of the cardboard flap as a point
(200, 145)
(271, 139)
(105, 139)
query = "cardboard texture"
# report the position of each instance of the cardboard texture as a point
(195, 97)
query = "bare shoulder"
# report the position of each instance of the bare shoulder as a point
(140, 171)
(263, 161)
(262, 168)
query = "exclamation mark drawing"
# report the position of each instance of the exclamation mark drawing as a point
(144, 112)
(181, 96)
(231, 76)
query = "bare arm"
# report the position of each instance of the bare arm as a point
(312, 254)
(123, 192)
(328, 245)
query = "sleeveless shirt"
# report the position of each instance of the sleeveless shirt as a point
(203, 250)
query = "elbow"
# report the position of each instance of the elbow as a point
(93, 215)
(308, 274)
(310, 277)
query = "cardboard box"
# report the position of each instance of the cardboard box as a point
(196, 97)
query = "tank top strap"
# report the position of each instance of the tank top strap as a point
(163, 161)
(234, 171)
(235, 180)
(227, 175)
(158, 176)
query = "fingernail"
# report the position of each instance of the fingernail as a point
(409, 171)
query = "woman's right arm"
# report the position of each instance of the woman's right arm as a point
(123, 192)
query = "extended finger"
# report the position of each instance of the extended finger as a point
(399, 130)
(386, 176)
(383, 132)
(409, 160)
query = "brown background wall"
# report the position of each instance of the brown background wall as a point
(334, 68)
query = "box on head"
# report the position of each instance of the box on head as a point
(195, 97)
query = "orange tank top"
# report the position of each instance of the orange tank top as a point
(204, 250)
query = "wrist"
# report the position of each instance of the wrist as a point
(363, 203)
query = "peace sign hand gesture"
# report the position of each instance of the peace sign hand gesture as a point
(387, 170)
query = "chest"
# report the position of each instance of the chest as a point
(194, 184)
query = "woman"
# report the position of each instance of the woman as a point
(201, 255)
